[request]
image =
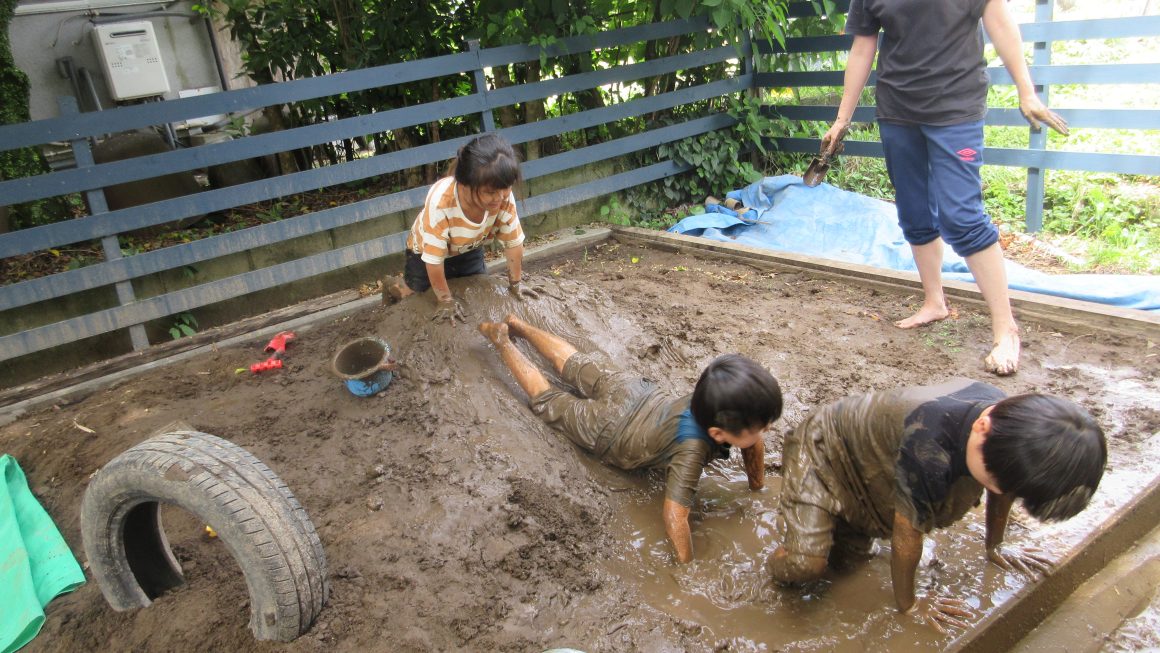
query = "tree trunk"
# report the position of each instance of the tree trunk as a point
(503, 79)
(533, 112)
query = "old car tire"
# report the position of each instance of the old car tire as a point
(253, 512)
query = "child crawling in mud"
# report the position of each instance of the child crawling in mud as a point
(472, 206)
(627, 422)
(902, 462)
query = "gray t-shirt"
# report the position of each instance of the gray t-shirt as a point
(931, 69)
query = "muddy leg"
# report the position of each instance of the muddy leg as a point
(554, 348)
(394, 290)
(530, 378)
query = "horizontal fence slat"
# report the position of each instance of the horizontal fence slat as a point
(589, 80)
(137, 217)
(509, 54)
(120, 119)
(1134, 164)
(805, 78)
(630, 109)
(1089, 118)
(174, 303)
(145, 167)
(610, 184)
(1096, 28)
(1112, 73)
(811, 145)
(807, 9)
(154, 165)
(177, 256)
(806, 44)
(621, 146)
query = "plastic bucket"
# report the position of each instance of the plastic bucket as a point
(359, 364)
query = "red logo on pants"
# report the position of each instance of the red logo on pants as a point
(967, 154)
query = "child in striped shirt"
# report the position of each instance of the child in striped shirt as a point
(471, 207)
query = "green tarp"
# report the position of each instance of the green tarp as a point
(36, 564)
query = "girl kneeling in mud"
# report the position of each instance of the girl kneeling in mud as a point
(469, 208)
(627, 422)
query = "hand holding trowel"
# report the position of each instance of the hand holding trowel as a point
(832, 146)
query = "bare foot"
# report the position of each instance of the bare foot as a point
(515, 324)
(925, 315)
(496, 332)
(1004, 358)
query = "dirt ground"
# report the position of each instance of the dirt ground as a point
(454, 520)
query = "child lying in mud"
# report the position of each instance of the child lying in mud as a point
(627, 422)
(902, 462)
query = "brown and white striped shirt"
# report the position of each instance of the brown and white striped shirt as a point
(442, 229)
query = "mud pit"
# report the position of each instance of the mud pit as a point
(454, 520)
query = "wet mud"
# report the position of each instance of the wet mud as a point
(454, 520)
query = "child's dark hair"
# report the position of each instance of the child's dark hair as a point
(1047, 451)
(487, 161)
(734, 393)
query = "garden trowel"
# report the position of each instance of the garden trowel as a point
(820, 165)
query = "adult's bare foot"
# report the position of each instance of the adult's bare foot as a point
(1004, 357)
(925, 315)
(496, 332)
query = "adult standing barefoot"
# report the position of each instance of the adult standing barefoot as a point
(931, 98)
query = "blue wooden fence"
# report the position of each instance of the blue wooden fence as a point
(131, 311)
(1041, 33)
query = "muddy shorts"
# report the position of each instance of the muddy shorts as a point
(809, 511)
(594, 419)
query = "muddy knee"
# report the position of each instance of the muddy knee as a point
(787, 567)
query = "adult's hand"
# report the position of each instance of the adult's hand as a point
(832, 140)
(448, 310)
(1036, 112)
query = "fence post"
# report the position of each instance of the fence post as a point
(481, 87)
(1040, 56)
(83, 155)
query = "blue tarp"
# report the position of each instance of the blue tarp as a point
(831, 223)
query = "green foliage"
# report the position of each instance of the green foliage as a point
(184, 325)
(24, 162)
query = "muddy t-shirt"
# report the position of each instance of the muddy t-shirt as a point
(930, 62)
(898, 450)
(648, 438)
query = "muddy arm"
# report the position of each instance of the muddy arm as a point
(515, 262)
(677, 526)
(905, 551)
(998, 508)
(754, 459)
(438, 278)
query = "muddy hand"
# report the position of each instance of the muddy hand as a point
(942, 613)
(448, 311)
(832, 140)
(1036, 112)
(521, 293)
(1028, 561)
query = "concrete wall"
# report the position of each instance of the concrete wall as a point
(45, 31)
